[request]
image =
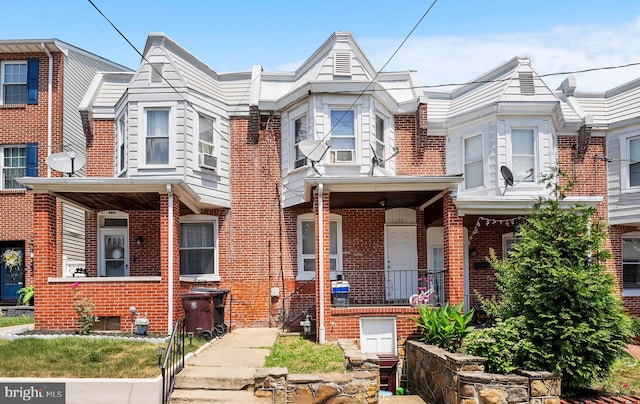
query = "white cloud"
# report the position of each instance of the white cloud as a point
(458, 59)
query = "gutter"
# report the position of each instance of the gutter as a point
(322, 328)
(170, 263)
(49, 101)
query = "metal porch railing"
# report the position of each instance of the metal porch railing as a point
(173, 360)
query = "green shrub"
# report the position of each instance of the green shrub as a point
(556, 280)
(444, 326)
(502, 345)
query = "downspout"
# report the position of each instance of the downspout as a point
(321, 329)
(49, 100)
(170, 254)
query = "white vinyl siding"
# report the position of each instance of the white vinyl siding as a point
(473, 162)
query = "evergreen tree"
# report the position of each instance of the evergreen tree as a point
(555, 281)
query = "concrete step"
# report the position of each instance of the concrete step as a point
(216, 396)
(228, 378)
(400, 400)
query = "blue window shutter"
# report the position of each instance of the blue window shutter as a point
(33, 73)
(32, 159)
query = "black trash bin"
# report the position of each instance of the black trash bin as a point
(219, 299)
(198, 311)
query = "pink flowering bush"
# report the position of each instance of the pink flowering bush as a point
(85, 319)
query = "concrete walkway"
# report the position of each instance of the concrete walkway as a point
(225, 371)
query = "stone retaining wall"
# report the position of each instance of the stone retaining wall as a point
(344, 388)
(439, 376)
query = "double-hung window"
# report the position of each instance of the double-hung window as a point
(198, 245)
(634, 162)
(306, 245)
(300, 133)
(157, 136)
(523, 154)
(206, 143)
(379, 147)
(14, 82)
(343, 136)
(121, 157)
(14, 165)
(631, 262)
(473, 162)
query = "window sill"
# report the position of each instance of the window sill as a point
(97, 279)
(13, 106)
(630, 292)
(200, 278)
(17, 191)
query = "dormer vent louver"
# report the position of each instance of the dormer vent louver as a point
(342, 63)
(156, 72)
(526, 83)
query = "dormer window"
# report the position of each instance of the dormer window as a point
(343, 137)
(157, 140)
(379, 141)
(206, 147)
(300, 133)
(523, 154)
(473, 162)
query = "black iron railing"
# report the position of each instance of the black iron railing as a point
(173, 360)
(370, 287)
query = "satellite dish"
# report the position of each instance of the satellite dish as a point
(314, 150)
(377, 161)
(508, 177)
(66, 162)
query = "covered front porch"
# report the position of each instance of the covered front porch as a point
(366, 245)
(131, 251)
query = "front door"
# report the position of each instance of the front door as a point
(402, 262)
(11, 271)
(114, 260)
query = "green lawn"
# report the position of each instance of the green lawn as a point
(81, 357)
(299, 355)
(9, 321)
(624, 379)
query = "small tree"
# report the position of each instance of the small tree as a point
(556, 281)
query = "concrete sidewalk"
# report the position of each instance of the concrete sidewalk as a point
(224, 372)
(244, 347)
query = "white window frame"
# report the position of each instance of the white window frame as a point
(536, 155)
(295, 142)
(204, 277)
(142, 136)
(112, 230)
(310, 217)
(625, 163)
(508, 240)
(335, 148)
(3, 84)
(196, 141)
(121, 144)
(380, 143)
(3, 168)
(466, 163)
(628, 291)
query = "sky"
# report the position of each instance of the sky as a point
(456, 42)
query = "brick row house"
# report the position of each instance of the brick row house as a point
(282, 187)
(41, 85)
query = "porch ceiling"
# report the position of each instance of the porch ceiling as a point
(115, 201)
(365, 200)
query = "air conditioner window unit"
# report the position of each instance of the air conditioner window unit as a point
(208, 161)
(342, 156)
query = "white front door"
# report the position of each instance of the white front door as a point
(402, 262)
(114, 255)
